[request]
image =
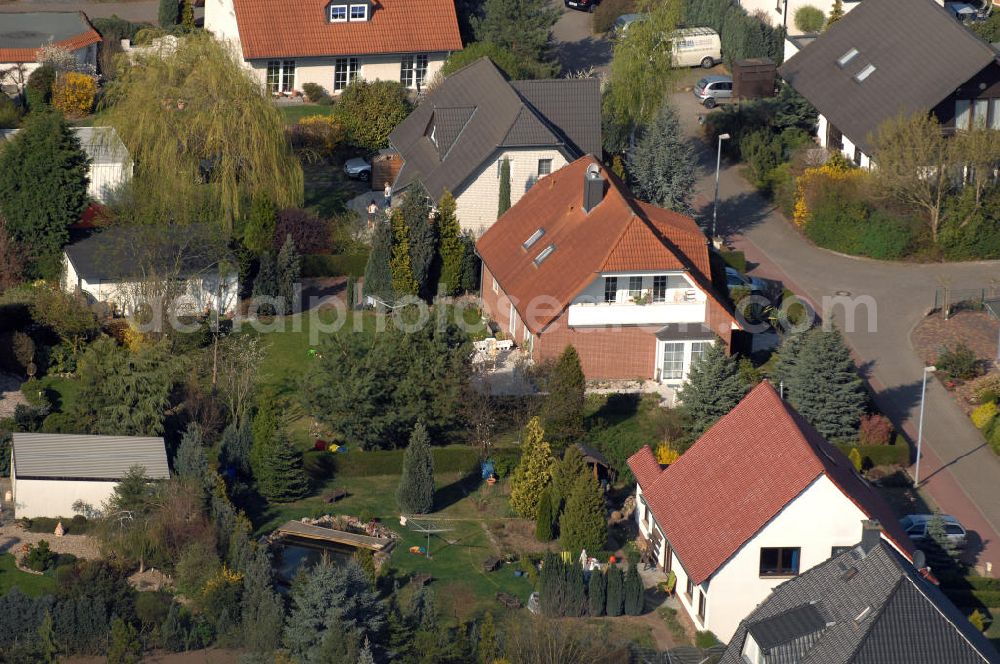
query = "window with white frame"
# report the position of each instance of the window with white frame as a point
(698, 349)
(544, 167)
(345, 70)
(413, 70)
(673, 360)
(635, 287)
(359, 12)
(751, 651)
(660, 288)
(702, 601)
(963, 113)
(610, 289)
(338, 13)
(280, 75)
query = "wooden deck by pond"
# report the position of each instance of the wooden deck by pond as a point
(319, 533)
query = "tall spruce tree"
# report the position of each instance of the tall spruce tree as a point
(632, 591)
(522, 27)
(262, 610)
(616, 597)
(564, 476)
(282, 479)
(584, 524)
(713, 387)
(400, 265)
(190, 461)
(289, 275)
(265, 284)
(422, 233)
(552, 585)
(562, 412)
(824, 385)
(662, 164)
(237, 440)
(378, 273)
(533, 471)
(597, 593)
(471, 265)
(415, 494)
(452, 247)
(576, 591)
(546, 520)
(503, 203)
(43, 188)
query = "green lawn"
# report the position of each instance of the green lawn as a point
(295, 112)
(30, 584)
(63, 391)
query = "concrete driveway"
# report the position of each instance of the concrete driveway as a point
(575, 47)
(960, 472)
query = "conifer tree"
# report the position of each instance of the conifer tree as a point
(564, 476)
(584, 524)
(403, 282)
(378, 274)
(533, 471)
(237, 440)
(289, 274)
(487, 648)
(415, 494)
(632, 591)
(190, 461)
(552, 585)
(264, 429)
(504, 203)
(187, 14)
(836, 13)
(576, 592)
(546, 517)
(662, 164)
(713, 387)
(262, 608)
(282, 478)
(562, 413)
(824, 385)
(422, 232)
(597, 593)
(258, 232)
(452, 247)
(616, 599)
(471, 265)
(265, 284)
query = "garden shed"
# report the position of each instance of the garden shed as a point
(50, 472)
(598, 463)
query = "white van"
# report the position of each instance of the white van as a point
(694, 47)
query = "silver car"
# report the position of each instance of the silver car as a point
(358, 168)
(915, 526)
(715, 89)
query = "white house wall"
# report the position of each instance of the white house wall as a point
(105, 179)
(321, 70)
(774, 10)
(476, 205)
(55, 498)
(86, 55)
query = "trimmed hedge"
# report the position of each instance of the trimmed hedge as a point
(339, 265)
(880, 455)
(983, 583)
(451, 459)
(735, 259)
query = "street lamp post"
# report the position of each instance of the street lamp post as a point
(920, 424)
(718, 163)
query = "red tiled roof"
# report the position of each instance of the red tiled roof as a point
(283, 29)
(740, 474)
(86, 38)
(644, 466)
(618, 234)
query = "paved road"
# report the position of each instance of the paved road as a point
(575, 47)
(960, 471)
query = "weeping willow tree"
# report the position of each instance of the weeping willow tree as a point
(203, 134)
(641, 65)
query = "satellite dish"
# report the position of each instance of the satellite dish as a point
(593, 171)
(919, 559)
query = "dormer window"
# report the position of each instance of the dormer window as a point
(359, 12)
(338, 13)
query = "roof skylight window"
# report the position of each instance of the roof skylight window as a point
(847, 57)
(546, 252)
(864, 73)
(535, 237)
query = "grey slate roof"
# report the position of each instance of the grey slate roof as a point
(920, 53)
(477, 110)
(884, 613)
(123, 253)
(64, 456)
(101, 144)
(34, 29)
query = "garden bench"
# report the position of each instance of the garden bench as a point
(508, 600)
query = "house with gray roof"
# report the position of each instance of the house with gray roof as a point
(110, 162)
(49, 472)
(892, 57)
(866, 604)
(460, 134)
(24, 34)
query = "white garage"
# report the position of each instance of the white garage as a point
(50, 472)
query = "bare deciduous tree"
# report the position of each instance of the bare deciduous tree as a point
(239, 372)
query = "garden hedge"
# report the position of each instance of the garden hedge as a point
(336, 265)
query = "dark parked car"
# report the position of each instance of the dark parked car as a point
(582, 5)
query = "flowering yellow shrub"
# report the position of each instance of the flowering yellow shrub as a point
(812, 179)
(666, 454)
(133, 339)
(225, 577)
(984, 414)
(320, 133)
(73, 94)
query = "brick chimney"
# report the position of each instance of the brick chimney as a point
(871, 533)
(593, 188)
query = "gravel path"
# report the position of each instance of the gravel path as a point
(12, 537)
(10, 394)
